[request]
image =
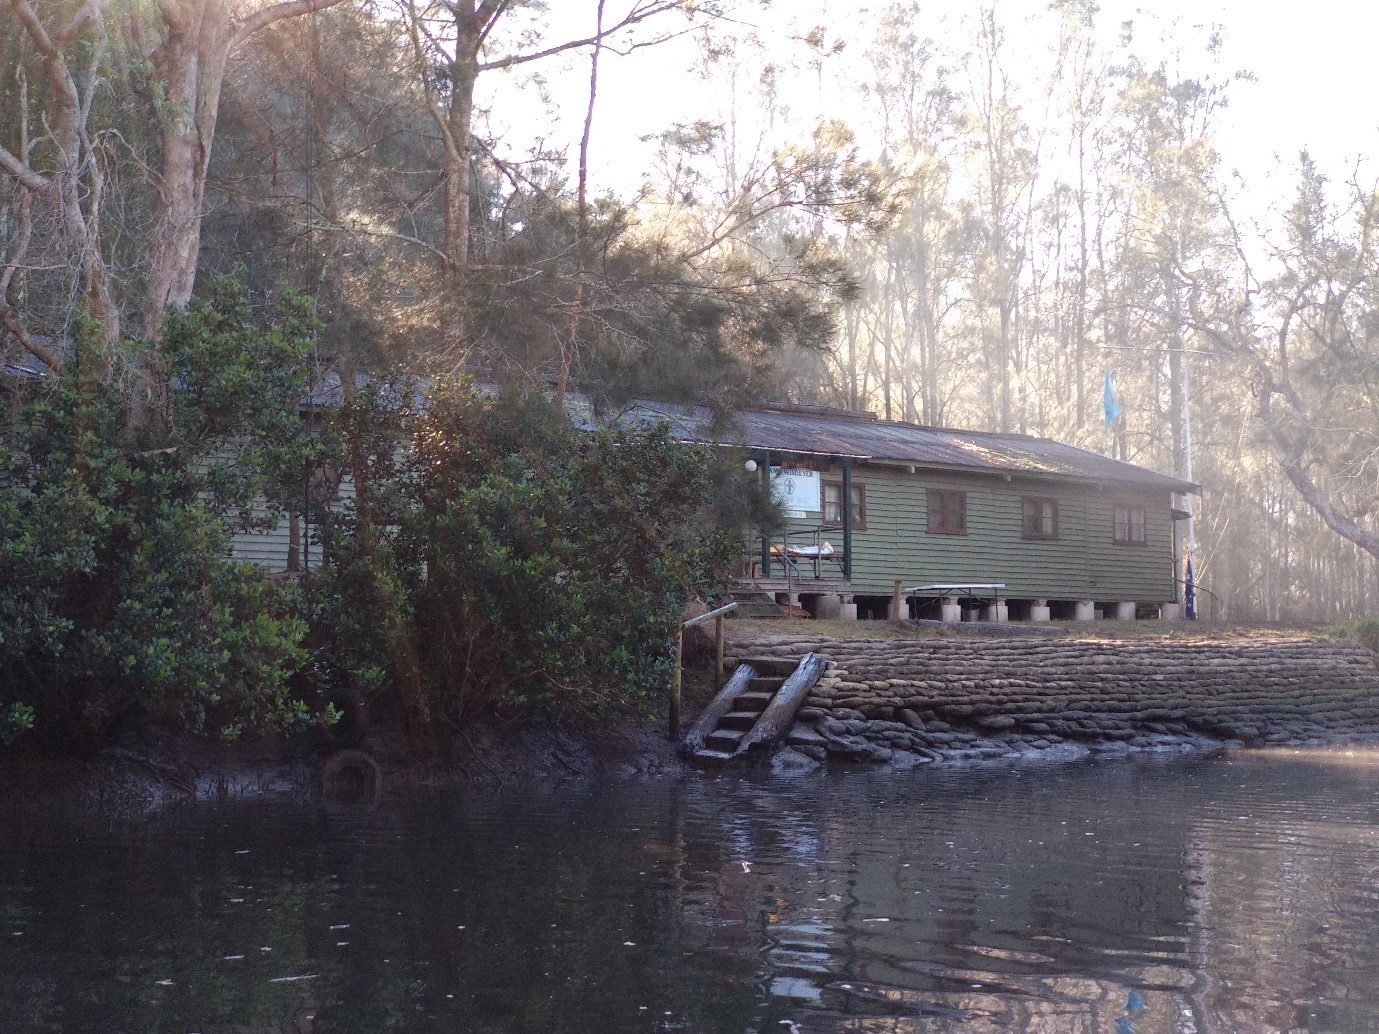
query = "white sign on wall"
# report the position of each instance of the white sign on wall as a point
(797, 491)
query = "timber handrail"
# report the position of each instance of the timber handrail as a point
(673, 732)
(700, 619)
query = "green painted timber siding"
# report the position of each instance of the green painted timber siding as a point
(1083, 563)
(269, 548)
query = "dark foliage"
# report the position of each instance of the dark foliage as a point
(117, 597)
(529, 568)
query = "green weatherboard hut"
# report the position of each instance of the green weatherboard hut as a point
(969, 523)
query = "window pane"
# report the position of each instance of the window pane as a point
(1039, 517)
(833, 495)
(947, 511)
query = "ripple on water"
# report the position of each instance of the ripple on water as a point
(1182, 895)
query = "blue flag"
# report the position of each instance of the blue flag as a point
(1108, 401)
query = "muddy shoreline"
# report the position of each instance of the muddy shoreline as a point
(150, 771)
(894, 702)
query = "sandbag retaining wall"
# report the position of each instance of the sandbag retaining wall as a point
(967, 698)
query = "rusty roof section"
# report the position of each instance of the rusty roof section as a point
(844, 434)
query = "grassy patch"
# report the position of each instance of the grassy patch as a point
(1365, 632)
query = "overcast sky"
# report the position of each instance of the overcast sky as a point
(1313, 65)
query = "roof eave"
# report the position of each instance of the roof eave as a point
(1169, 483)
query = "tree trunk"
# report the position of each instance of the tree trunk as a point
(459, 120)
(582, 229)
(1080, 309)
(76, 184)
(190, 68)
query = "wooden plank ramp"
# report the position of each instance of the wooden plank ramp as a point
(753, 602)
(754, 710)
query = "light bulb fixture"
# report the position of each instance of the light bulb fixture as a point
(750, 466)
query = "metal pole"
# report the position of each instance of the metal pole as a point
(306, 518)
(847, 519)
(765, 541)
(1187, 452)
(673, 733)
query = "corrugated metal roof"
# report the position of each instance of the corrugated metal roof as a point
(326, 392)
(862, 437)
(840, 434)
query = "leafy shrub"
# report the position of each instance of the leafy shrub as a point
(524, 566)
(117, 596)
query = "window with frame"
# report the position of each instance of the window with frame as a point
(1129, 525)
(1038, 517)
(947, 511)
(833, 504)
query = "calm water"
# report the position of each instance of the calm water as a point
(1223, 895)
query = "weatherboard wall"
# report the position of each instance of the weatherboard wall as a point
(269, 547)
(1082, 563)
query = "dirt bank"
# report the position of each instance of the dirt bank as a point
(148, 770)
(963, 697)
(917, 695)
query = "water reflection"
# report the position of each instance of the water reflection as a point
(1188, 896)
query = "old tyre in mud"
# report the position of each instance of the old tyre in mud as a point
(352, 778)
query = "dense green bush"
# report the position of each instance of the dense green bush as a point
(519, 565)
(494, 559)
(117, 499)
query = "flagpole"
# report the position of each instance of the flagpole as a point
(1187, 455)
(1189, 572)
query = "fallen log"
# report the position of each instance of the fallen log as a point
(776, 720)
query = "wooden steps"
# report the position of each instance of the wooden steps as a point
(754, 602)
(774, 667)
(756, 701)
(724, 741)
(761, 611)
(740, 720)
(754, 710)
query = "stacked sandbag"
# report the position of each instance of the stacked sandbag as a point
(909, 701)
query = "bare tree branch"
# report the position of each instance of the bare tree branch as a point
(20, 170)
(1291, 465)
(266, 16)
(11, 321)
(639, 13)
